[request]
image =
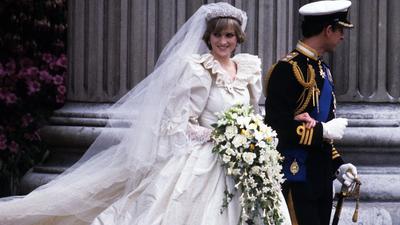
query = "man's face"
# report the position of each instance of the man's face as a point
(333, 37)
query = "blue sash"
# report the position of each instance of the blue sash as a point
(325, 99)
(295, 158)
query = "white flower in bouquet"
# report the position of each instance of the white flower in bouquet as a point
(248, 157)
(230, 151)
(243, 121)
(231, 131)
(247, 149)
(239, 140)
(226, 158)
(252, 126)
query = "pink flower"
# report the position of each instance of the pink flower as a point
(26, 120)
(32, 71)
(62, 61)
(33, 87)
(13, 147)
(47, 57)
(45, 76)
(57, 80)
(10, 98)
(62, 89)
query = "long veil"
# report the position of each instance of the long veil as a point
(143, 131)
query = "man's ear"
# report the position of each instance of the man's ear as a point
(328, 30)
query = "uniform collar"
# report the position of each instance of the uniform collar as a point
(307, 50)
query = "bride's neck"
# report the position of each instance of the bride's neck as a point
(225, 61)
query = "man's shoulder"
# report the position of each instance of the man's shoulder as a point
(290, 57)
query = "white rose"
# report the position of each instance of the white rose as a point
(230, 131)
(239, 140)
(249, 157)
(255, 170)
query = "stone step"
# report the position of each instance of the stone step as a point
(370, 213)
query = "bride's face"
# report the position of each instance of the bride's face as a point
(223, 43)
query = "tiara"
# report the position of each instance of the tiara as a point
(223, 9)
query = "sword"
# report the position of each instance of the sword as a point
(338, 208)
(353, 190)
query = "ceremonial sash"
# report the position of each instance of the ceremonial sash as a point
(325, 99)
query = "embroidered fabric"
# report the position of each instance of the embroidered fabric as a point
(198, 134)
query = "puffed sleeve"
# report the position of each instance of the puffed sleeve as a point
(199, 92)
(251, 65)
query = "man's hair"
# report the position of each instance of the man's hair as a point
(313, 27)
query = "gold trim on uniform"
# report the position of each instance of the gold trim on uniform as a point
(310, 87)
(307, 50)
(321, 70)
(335, 153)
(289, 56)
(306, 135)
(348, 25)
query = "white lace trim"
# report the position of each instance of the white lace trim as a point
(249, 70)
(196, 133)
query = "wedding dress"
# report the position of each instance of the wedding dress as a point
(154, 164)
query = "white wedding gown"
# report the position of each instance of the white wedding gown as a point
(186, 189)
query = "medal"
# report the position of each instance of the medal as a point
(294, 167)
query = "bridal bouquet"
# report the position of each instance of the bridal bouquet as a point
(247, 149)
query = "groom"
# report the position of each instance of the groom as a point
(300, 106)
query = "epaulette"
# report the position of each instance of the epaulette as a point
(289, 56)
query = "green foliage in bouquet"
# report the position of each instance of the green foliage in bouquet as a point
(247, 149)
(33, 67)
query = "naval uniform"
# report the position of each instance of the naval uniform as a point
(302, 82)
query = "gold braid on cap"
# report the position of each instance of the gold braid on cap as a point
(310, 87)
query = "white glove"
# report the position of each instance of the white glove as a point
(346, 174)
(334, 129)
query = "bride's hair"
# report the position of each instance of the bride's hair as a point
(217, 25)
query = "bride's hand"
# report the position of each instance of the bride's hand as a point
(305, 117)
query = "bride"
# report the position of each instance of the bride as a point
(154, 165)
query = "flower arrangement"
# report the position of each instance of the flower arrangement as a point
(33, 67)
(247, 149)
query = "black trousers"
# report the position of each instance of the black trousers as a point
(307, 205)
